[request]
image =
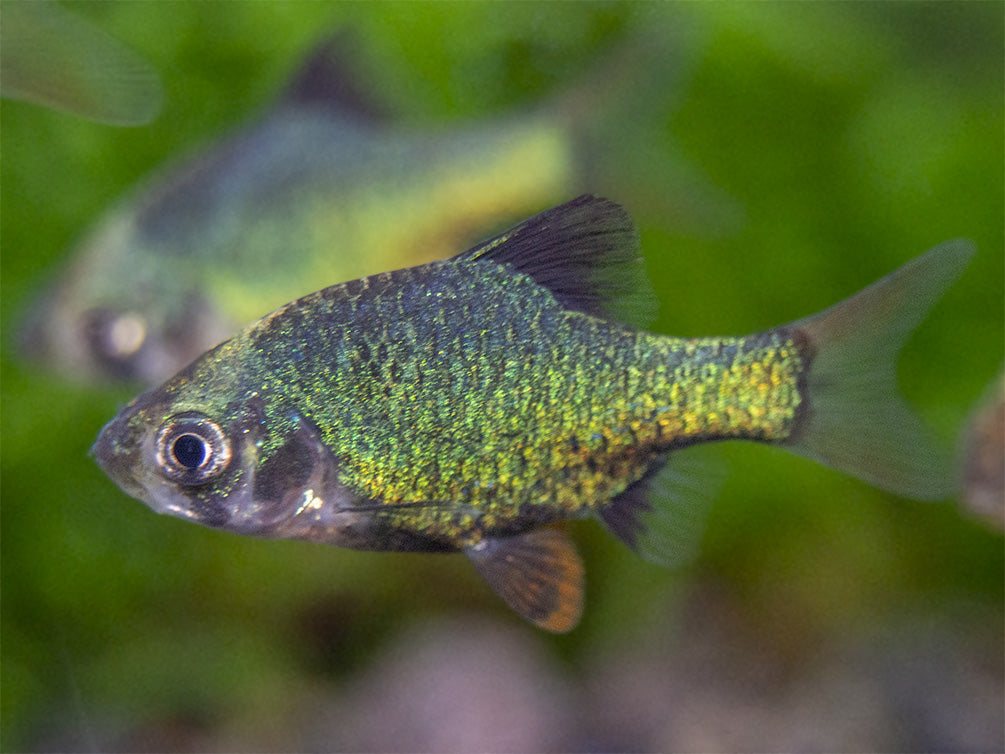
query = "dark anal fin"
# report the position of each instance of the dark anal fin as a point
(538, 574)
(662, 516)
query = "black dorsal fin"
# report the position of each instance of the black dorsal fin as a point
(586, 252)
(538, 574)
(327, 78)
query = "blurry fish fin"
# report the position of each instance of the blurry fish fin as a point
(538, 574)
(328, 78)
(55, 58)
(662, 516)
(856, 420)
(586, 252)
(628, 96)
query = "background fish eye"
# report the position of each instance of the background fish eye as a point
(192, 449)
(114, 336)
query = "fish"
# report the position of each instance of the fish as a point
(982, 457)
(52, 57)
(321, 187)
(478, 403)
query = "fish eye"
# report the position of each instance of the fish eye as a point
(189, 451)
(192, 449)
(117, 335)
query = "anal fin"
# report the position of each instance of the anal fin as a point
(538, 574)
(662, 516)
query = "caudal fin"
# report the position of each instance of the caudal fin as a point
(857, 421)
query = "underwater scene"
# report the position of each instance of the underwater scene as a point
(663, 204)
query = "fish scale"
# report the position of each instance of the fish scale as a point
(634, 395)
(473, 404)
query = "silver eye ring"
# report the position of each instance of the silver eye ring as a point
(192, 449)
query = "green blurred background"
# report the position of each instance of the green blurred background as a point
(828, 144)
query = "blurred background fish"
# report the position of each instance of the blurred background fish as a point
(820, 613)
(52, 57)
(983, 456)
(314, 191)
(318, 190)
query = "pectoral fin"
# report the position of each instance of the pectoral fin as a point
(538, 574)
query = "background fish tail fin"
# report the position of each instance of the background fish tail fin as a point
(856, 420)
(629, 94)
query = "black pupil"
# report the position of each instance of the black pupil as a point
(189, 451)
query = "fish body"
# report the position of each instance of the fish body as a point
(318, 190)
(475, 403)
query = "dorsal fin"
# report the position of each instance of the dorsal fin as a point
(327, 78)
(538, 574)
(586, 252)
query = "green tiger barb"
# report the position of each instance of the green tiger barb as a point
(474, 404)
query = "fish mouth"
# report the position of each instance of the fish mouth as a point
(122, 462)
(118, 458)
(294, 493)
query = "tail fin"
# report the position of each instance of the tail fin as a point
(857, 421)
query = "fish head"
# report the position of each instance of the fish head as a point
(201, 449)
(122, 312)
